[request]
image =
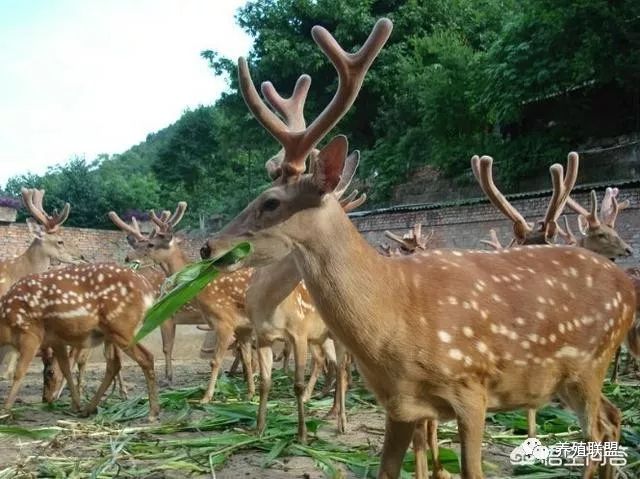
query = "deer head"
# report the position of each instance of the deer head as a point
(598, 233)
(274, 220)
(45, 228)
(160, 245)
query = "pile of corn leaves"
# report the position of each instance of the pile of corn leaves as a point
(198, 439)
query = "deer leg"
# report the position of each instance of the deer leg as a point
(300, 361)
(317, 364)
(585, 399)
(113, 366)
(286, 355)
(221, 340)
(246, 354)
(420, 449)
(330, 351)
(471, 409)
(28, 348)
(144, 358)
(236, 363)
(531, 422)
(339, 407)
(81, 356)
(8, 357)
(62, 357)
(168, 333)
(439, 472)
(265, 363)
(616, 363)
(397, 436)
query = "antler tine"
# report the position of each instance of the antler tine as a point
(395, 238)
(484, 166)
(590, 216)
(133, 229)
(263, 114)
(548, 224)
(562, 186)
(494, 242)
(292, 108)
(177, 214)
(29, 200)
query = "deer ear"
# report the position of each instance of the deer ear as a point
(35, 228)
(583, 224)
(330, 163)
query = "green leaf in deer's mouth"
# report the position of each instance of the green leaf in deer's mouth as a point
(183, 286)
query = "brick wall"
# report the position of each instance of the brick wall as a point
(464, 226)
(95, 245)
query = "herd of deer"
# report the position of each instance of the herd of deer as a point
(437, 334)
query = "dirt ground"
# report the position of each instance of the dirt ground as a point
(365, 429)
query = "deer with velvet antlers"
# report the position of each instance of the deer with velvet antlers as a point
(221, 303)
(47, 244)
(598, 234)
(466, 331)
(190, 313)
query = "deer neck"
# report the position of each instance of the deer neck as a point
(270, 285)
(348, 280)
(34, 260)
(174, 262)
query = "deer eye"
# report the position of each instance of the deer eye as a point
(270, 204)
(60, 242)
(150, 245)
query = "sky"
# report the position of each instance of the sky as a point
(82, 77)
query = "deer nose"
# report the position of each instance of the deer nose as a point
(205, 251)
(629, 251)
(127, 259)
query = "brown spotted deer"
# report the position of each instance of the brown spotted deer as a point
(279, 304)
(221, 302)
(447, 333)
(78, 306)
(190, 313)
(47, 245)
(598, 236)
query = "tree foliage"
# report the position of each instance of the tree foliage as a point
(523, 81)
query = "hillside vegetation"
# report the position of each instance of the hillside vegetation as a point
(524, 81)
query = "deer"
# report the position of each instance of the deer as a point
(471, 341)
(278, 302)
(47, 245)
(78, 306)
(221, 303)
(598, 236)
(190, 313)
